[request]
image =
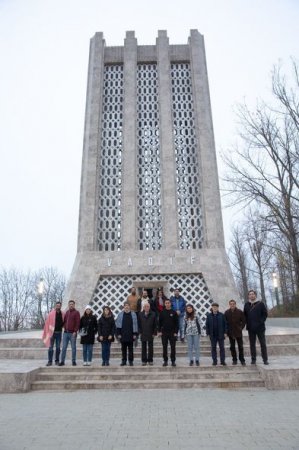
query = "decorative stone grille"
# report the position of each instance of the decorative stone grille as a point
(110, 186)
(149, 224)
(187, 174)
(113, 290)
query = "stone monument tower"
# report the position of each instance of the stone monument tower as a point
(150, 212)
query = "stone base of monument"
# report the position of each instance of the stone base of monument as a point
(23, 359)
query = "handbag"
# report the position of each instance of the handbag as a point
(83, 332)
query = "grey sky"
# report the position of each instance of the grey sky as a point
(44, 56)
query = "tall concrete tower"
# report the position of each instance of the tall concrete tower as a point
(150, 212)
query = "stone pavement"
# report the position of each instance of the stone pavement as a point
(154, 419)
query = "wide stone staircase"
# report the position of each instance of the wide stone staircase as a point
(141, 377)
(149, 377)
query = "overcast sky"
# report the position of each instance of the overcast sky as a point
(44, 57)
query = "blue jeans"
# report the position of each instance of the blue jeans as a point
(68, 337)
(182, 325)
(106, 351)
(193, 344)
(87, 352)
(56, 338)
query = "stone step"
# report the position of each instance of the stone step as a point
(231, 383)
(204, 375)
(6, 342)
(40, 353)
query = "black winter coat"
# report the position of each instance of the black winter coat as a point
(147, 325)
(256, 314)
(106, 327)
(88, 322)
(221, 328)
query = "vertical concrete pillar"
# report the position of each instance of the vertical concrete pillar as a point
(168, 171)
(129, 144)
(211, 205)
(91, 147)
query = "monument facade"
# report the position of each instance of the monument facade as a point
(150, 212)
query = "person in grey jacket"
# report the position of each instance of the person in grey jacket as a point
(147, 330)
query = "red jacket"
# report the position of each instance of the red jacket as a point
(71, 322)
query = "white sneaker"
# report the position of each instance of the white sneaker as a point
(85, 364)
(88, 364)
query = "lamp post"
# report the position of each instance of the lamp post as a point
(275, 285)
(40, 292)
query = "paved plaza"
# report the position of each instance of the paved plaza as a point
(150, 419)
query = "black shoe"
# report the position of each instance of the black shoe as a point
(103, 363)
(266, 363)
(107, 363)
(49, 364)
(131, 363)
(56, 363)
(74, 363)
(197, 363)
(214, 364)
(183, 340)
(173, 364)
(191, 363)
(151, 363)
(243, 363)
(123, 363)
(253, 363)
(143, 364)
(223, 364)
(235, 363)
(61, 364)
(165, 364)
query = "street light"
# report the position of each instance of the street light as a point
(275, 285)
(40, 292)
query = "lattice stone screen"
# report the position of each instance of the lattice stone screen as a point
(113, 290)
(109, 216)
(188, 185)
(149, 228)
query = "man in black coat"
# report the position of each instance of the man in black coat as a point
(216, 328)
(256, 314)
(168, 330)
(235, 320)
(147, 330)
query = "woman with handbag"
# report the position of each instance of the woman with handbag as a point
(87, 331)
(106, 331)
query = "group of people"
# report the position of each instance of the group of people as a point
(144, 318)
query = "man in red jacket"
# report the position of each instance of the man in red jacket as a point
(71, 324)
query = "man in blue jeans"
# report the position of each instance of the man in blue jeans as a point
(216, 328)
(52, 333)
(178, 304)
(71, 326)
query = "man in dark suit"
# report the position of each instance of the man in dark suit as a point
(216, 328)
(256, 314)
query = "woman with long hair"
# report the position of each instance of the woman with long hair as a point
(106, 331)
(192, 333)
(87, 331)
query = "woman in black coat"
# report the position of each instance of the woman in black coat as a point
(106, 331)
(88, 329)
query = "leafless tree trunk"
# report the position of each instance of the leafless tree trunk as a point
(265, 169)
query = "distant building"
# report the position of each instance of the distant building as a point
(150, 213)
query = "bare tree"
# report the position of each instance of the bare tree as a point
(16, 299)
(238, 256)
(265, 170)
(21, 304)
